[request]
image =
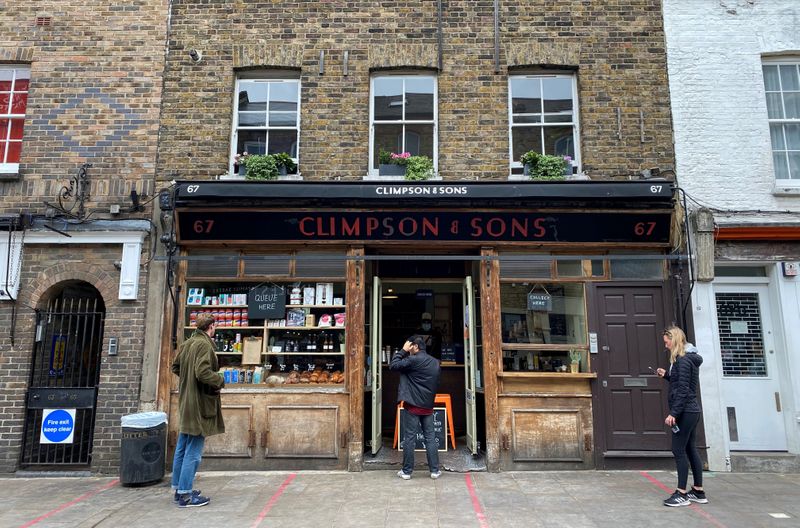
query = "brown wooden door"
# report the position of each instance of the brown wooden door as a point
(633, 398)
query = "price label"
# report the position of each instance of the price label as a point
(330, 366)
(311, 367)
(282, 367)
(296, 367)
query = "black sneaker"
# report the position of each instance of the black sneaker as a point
(177, 496)
(192, 501)
(698, 496)
(677, 499)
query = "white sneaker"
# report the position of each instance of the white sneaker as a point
(403, 475)
(436, 475)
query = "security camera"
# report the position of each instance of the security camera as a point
(195, 55)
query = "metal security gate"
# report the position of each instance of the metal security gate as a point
(64, 375)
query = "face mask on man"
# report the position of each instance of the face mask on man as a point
(426, 326)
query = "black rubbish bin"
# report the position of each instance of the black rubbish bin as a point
(143, 448)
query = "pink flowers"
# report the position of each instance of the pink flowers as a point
(401, 156)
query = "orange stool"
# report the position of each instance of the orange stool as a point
(443, 400)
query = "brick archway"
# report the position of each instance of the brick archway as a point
(51, 277)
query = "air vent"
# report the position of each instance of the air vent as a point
(213, 266)
(518, 267)
(320, 265)
(44, 20)
(263, 265)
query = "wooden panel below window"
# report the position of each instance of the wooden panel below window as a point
(546, 435)
(237, 441)
(302, 431)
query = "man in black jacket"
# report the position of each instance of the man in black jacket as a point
(419, 379)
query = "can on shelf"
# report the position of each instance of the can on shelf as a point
(193, 318)
(245, 320)
(237, 318)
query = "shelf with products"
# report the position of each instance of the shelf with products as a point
(535, 358)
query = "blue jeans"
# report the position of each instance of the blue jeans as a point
(411, 424)
(188, 453)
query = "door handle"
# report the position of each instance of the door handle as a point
(605, 383)
(778, 401)
(605, 347)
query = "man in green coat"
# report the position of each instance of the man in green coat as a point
(199, 408)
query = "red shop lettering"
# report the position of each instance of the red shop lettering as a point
(317, 226)
(496, 227)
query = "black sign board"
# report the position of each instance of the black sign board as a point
(439, 430)
(540, 302)
(433, 226)
(266, 302)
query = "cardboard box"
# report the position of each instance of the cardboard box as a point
(324, 293)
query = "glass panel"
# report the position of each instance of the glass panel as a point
(252, 141)
(781, 165)
(252, 96)
(5, 98)
(19, 103)
(597, 268)
(524, 139)
(774, 106)
(792, 136)
(740, 271)
(388, 138)
(528, 118)
(252, 119)
(789, 80)
(558, 141)
(3, 129)
(794, 165)
(419, 99)
(16, 128)
(283, 119)
(21, 85)
(283, 141)
(637, 269)
(557, 95)
(771, 79)
(283, 96)
(561, 321)
(558, 118)
(526, 96)
(388, 99)
(2, 151)
(776, 134)
(419, 140)
(14, 151)
(791, 102)
(569, 268)
(5, 80)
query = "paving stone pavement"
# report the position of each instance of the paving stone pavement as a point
(585, 499)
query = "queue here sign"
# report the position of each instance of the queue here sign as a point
(58, 426)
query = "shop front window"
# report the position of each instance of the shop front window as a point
(543, 327)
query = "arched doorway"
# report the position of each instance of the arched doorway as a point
(65, 371)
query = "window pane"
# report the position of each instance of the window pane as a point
(5, 99)
(794, 165)
(597, 268)
(419, 140)
(563, 322)
(558, 141)
(283, 141)
(5, 80)
(792, 136)
(388, 98)
(789, 80)
(3, 145)
(781, 165)
(526, 96)
(419, 99)
(774, 106)
(282, 118)
(14, 151)
(252, 141)
(18, 103)
(528, 118)
(557, 95)
(3, 129)
(569, 268)
(252, 95)
(524, 139)
(636, 269)
(21, 85)
(16, 128)
(740, 271)
(283, 96)
(252, 119)
(388, 138)
(771, 81)
(558, 118)
(792, 104)
(776, 134)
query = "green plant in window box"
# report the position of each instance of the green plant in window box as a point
(419, 168)
(285, 163)
(575, 361)
(544, 167)
(261, 167)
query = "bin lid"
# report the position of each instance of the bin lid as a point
(144, 419)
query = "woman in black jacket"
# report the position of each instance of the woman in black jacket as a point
(684, 415)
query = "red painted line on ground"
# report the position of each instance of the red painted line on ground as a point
(476, 504)
(695, 508)
(70, 503)
(274, 499)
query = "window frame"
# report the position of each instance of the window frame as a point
(4, 166)
(373, 172)
(575, 122)
(265, 77)
(779, 61)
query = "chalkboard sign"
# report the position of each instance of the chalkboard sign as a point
(540, 302)
(439, 430)
(266, 302)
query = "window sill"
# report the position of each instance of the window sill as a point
(575, 177)
(237, 177)
(786, 189)
(9, 176)
(377, 177)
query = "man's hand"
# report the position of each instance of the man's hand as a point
(407, 346)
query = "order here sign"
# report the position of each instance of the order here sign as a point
(58, 426)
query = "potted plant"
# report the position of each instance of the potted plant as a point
(544, 166)
(239, 163)
(285, 163)
(418, 168)
(575, 361)
(392, 164)
(261, 167)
